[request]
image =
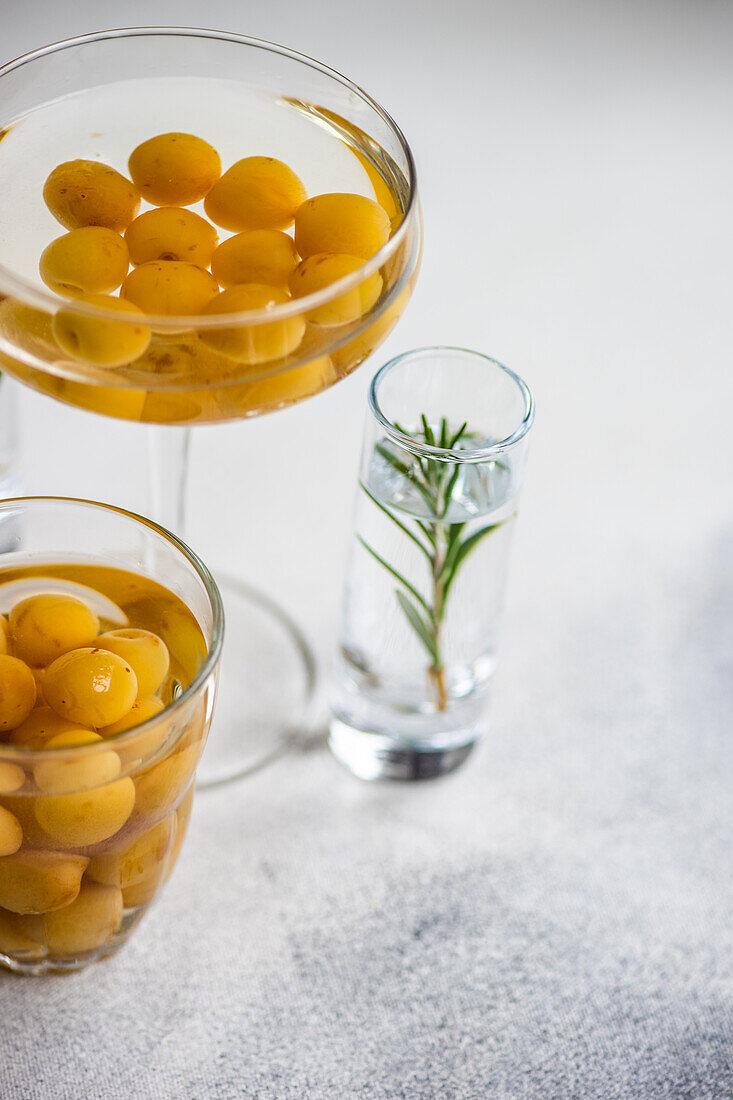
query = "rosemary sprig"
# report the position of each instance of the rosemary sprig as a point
(442, 544)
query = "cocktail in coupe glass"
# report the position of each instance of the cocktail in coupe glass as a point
(97, 98)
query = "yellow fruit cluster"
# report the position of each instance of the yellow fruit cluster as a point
(285, 246)
(89, 833)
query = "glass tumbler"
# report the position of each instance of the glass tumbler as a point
(442, 466)
(91, 826)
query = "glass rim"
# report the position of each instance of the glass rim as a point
(449, 454)
(30, 293)
(191, 690)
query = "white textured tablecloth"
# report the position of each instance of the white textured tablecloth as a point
(554, 921)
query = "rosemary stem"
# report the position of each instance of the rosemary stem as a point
(436, 671)
(445, 548)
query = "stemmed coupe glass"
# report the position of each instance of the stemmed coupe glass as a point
(97, 97)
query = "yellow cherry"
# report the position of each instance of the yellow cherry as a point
(87, 260)
(44, 626)
(174, 169)
(17, 692)
(261, 256)
(92, 687)
(86, 192)
(351, 225)
(257, 343)
(102, 342)
(320, 271)
(170, 233)
(170, 288)
(255, 193)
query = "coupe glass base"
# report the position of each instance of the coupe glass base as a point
(374, 756)
(267, 682)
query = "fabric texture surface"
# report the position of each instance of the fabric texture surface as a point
(552, 921)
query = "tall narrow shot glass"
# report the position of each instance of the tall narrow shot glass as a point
(444, 454)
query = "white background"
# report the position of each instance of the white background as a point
(554, 920)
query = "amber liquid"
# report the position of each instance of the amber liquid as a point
(179, 379)
(63, 902)
(140, 602)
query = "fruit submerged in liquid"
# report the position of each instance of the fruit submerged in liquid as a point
(37, 882)
(91, 919)
(85, 192)
(170, 288)
(87, 260)
(144, 651)
(348, 224)
(69, 772)
(90, 686)
(257, 343)
(292, 245)
(260, 256)
(320, 271)
(43, 627)
(17, 692)
(170, 233)
(11, 833)
(174, 169)
(255, 193)
(89, 823)
(86, 817)
(97, 340)
(39, 727)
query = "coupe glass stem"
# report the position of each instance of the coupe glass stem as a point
(168, 451)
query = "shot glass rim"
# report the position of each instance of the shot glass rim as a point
(190, 691)
(448, 454)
